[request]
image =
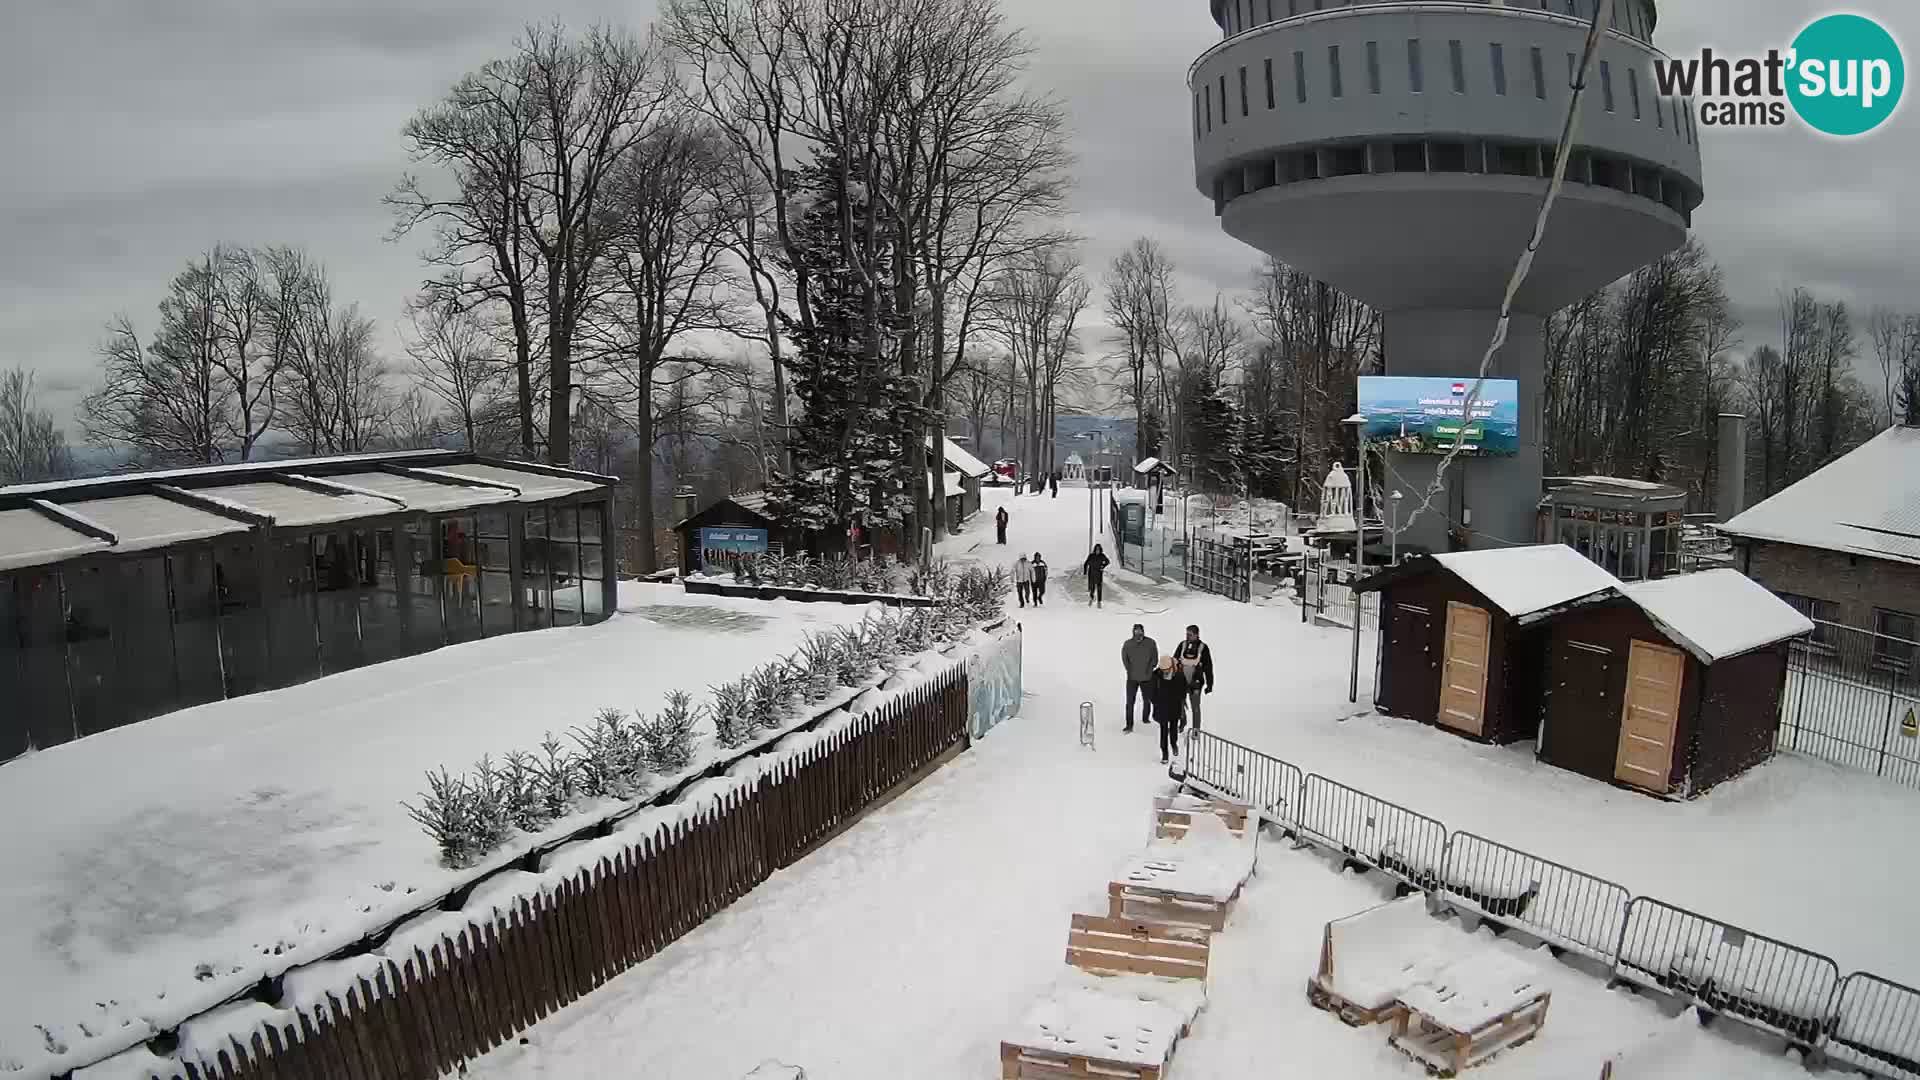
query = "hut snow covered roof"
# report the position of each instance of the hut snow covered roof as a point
(1524, 581)
(1717, 614)
(1866, 502)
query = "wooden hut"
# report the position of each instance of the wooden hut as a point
(1460, 644)
(1671, 688)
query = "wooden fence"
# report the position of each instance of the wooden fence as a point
(421, 1014)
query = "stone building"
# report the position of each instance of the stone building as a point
(1843, 546)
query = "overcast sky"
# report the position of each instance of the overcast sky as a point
(139, 132)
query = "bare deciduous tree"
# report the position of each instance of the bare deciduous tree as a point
(457, 362)
(1140, 307)
(1895, 339)
(31, 445)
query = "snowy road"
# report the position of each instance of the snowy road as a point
(907, 946)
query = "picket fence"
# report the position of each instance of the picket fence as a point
(1726, 971)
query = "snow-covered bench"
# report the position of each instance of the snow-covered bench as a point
(1173, 814)
(1193, 880)
(1368, 959)
(1130, 991)
(1471, 1010)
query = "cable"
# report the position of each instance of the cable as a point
(1602, 23)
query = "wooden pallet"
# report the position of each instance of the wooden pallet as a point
(1131, 900)
(1171, 821)
(1446, 1052)
(1024, 1063)
(1320, 985)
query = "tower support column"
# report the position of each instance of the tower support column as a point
(1491, 499)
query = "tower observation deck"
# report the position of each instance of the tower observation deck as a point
(1399, 150)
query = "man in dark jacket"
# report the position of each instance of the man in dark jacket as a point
(1096, 568)
(1053, 484)
(1138, 655)
(1000, 524)
(1169, 705)
(1039, 568)
(1196, 663)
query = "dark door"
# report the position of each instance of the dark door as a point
(1413, 670)
(1583, 709)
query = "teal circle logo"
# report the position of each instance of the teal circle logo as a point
(1847, 75)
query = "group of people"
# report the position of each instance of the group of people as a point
(1169, 686)
(1030, 578)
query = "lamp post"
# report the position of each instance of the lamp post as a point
(1393, 529)
(1358, 423)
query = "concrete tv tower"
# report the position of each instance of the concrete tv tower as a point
(1399, 150)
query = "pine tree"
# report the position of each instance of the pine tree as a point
(1212, 435)
(849, 440)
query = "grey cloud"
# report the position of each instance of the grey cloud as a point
(139, 133)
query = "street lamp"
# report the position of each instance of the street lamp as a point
(1358, 423)
(1393, 529)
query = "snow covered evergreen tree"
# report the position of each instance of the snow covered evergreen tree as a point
(850, 436)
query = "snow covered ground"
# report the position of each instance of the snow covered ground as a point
(159, 865)
(910, 944)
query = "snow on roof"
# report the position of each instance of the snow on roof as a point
(531, 487)
(421, 494)
(1867, 502)
(31, 538)
(141, 522)
(236, 468)
(1717, 614)
(1074, 459)
(1524, 580)
(294, 506)
(1149, 465)
(958, 460)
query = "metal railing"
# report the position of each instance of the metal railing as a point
(1847, 697)
(1222, 567)
(1864, 1020)
(1727, 970)
(1324, 592)
(1558, 904)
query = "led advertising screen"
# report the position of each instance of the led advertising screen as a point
(1419, 415)
(721, 549)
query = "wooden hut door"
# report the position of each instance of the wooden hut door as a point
(1463, 672)
(1649, 716)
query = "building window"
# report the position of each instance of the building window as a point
(593, 565)
(1300, 76)
(1894, 636)
(1196, 117)
(1415, 81)
(1822, 612)
(1266, 8)
(1373, 67)
(1243, 14)
(1243, 90)
(1606, 85)
(1633, 90)
(1539, 74)
(1269, 69)
(1459, 66)
(495, 579)
(1573, 69)
(1333, 70)
(1498, 59)
(1207, 92)
(1223, 99)
(1659, 113)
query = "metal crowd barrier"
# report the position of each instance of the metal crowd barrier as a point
(1408, 845)
(1558, 904)
(1236, 771)
(1876, 1026)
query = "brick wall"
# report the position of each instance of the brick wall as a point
(1856, 584)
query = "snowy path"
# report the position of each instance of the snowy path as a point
(907, 946)
(153, 868)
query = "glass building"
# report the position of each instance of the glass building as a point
(1633, 528)
(127, 596)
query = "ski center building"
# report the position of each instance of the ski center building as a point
(126, 596)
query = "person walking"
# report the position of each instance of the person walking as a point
(1022, 578)
(1196, 663)
(1039, 569)
(1000, 524)
(1169, 706)
(1054, 483)
(1139, 655)
(1096, 569)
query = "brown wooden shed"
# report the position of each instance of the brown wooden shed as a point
(1460, 644)
(1671, 688)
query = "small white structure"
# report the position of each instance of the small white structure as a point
(1336, 503)
(1076, 469)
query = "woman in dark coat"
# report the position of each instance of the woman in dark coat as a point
(1169, 705)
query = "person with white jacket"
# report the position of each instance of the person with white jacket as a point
(1022, 578)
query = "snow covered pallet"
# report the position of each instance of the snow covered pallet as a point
(1471, 1011)
(1368, 959)
(1173, 815)
(1131, 991)
(1190, 881)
